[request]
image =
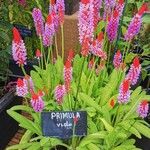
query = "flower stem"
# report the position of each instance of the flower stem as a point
(23, 70)
(56, 46)
(41, 52)
(62, 42)
(109, 51)
(79, 83)
(49, 51)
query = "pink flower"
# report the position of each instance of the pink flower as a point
(29, 82)
(61, 10)
(120, 6)
(18, 48)
(49, 31)
(53, 11)
(38, 21)
(38, 54)
(59, 93)
(117, 60)
(97, 5)
(21, 87)
(134, 72)
(135, 24)
(108, 7)
(67, 75)
(36, 102)
(86, 20)
(85, 47)
(112, 26)
(96, 50)
(22, 2)
(143, 109)
(91, 63)
(124, 93)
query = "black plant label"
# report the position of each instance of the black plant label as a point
(64, 124)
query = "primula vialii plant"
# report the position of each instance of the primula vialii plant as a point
(97, 80)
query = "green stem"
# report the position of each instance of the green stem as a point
(117, 115)
(41, 52)
(49, 51)
(126, 51)
(109, 51)
(23, 70)
(62, 42)
(79, 83)
(56, 46)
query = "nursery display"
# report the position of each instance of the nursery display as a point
(90, 100)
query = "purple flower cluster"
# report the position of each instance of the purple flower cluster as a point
(36, 102)
(143, 109)
(133, 28)
(124, 92)
(59, 93)
(117, 59)
(49, 31)
(112, 26)
(21, 88)
(18, 48)
(134, 72)
(86, 20)
(38, 21)
(97, 51)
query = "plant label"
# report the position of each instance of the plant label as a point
(64, 124)
(24, 31)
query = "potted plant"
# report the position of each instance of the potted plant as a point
(90, 82)
(8, 126)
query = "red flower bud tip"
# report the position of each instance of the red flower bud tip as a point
(49, 19)
(136, 62)
(85, 1)
(38, 53)
(68, 64)
(121, 2)
(16, 35)
(40, 93)
(70, 55)
(142, 9)
(126, 85)
(52, 2)
(118, 53)
(100, 36)
(112, 103)
(34, 96)
(144, 103)
(75, 120)
(115, 14)
(20, 82)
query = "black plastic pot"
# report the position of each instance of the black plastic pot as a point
(8, 126)
(17, 71)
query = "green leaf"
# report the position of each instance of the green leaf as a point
(92, 137)
(93, 146)
(24, 122)
(19, 146)
(89, 101)
(26, 137)
(142, 129)
(38, 82)
(107, 125)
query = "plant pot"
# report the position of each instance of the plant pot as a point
(71, 6)
(16, 70)
(8, 126)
